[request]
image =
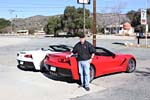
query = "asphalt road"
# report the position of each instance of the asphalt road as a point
(17, 84)
(132, 87)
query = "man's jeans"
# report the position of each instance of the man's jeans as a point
(84, 71)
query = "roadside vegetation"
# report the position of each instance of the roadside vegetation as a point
(135, 18)
(71, 21)
(4, 23)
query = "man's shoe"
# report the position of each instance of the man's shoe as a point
(80, 86)
(87, 88)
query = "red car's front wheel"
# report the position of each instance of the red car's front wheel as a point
(131, 66)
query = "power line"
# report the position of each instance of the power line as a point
(42, 7)
(32, 3)
(11, 12)
(34, 7)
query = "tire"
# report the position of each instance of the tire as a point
(46, 72)
(131, 66)
(42, 67)
(92, 73)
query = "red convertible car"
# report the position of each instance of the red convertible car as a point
(104, 62)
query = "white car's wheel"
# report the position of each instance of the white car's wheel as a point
(42, 67)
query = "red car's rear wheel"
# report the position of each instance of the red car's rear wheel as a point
(92, 73)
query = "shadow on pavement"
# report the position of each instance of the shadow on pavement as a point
(29, 70)
(106, 75)
(143, 73)
(119, 43)
(59, 78)
(51, 76)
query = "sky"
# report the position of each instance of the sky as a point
(26, 8)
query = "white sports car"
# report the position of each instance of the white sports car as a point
(33, 60)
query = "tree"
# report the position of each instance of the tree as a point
(53, 26)
(70, 21)
(135, 17)
(31, 30)
(4, 23)
(73, 19)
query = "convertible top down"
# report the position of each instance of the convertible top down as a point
(33, 60)
(104, 62)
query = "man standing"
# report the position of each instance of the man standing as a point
(86, 52)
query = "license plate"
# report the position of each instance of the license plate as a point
(53, 69)
(21, 62)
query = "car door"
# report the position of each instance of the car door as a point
(107, 61)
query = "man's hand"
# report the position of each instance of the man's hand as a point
(68, 56)
(91, 58)
(90, 61)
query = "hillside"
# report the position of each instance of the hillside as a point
(111, 19)
(39, 21)
(36, 22)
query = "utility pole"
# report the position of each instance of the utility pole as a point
(94, 23)
(11, 12)
(84, 18)
(83, 2)
(144, 21)
(146, 26)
